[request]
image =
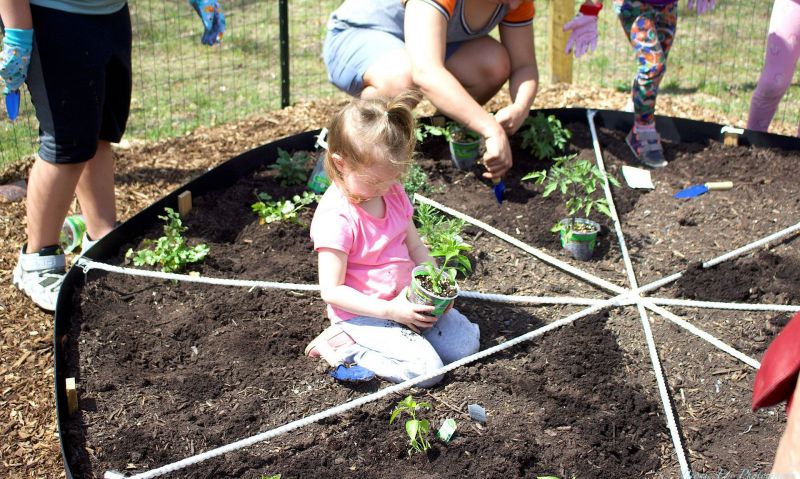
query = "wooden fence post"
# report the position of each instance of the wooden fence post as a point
(559, 13)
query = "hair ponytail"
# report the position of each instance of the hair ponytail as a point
(366, 126)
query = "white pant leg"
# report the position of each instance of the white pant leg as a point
(390, 350)
(454, 336)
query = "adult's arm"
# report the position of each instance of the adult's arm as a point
(426, 40)
(787, 458)
(16, 14)
(524, 80)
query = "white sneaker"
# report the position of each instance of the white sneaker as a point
(86, 243)
(40, 277)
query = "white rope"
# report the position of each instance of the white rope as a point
(505, 298)
(648, 334)
(724, 257)
(588, 277)
(87, 265)
(753, 245)
(234, 446)
(700, 333)
(688, 303)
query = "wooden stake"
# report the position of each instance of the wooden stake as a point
(72, 396)
(730, 139)
(185, 203)
(559, 13)
(730, 135)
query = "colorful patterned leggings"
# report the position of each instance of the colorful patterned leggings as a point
(650, 29)
(780, 61)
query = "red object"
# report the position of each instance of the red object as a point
(592, 10)
(777, 377)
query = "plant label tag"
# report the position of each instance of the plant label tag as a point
(477, 413)
(446, 431)
(637, 177)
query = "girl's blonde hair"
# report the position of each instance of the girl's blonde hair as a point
(370, 130)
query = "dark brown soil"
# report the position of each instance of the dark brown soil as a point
(167, 370)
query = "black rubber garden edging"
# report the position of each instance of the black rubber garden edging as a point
(228, 173)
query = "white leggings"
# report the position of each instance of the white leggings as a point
(395, 353)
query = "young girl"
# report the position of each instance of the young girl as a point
(368, 245)
(650, 28)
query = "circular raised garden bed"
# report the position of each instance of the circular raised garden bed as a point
(166, 370)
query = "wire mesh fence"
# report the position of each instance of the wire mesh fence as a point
(180, 84)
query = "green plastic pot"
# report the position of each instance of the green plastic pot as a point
(580, 244)
(465, 154)
(417, 294)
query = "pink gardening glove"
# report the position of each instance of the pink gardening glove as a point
(702, 6)
(584, 30)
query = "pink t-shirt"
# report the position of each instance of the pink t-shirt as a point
(378, 262)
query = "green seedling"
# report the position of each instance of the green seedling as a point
(544, 136)
(451, 131)
(291, 168)
(416, 180)
(577, 180)
(274, 476)
(270, 211)
(416, 429)
(441, 279)
(170, 251)
(435, 229)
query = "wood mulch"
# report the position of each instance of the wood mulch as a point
(145, 172)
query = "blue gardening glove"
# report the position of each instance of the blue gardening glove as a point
(702, 6)
(15, 58)
(213, 20)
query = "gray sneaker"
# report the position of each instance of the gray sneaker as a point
(646, 146)
(40, 277)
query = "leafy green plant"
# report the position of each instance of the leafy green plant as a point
(544, 136)
(291, 168)
(443, 237)
(416, 429)
(274, 476)
(441, 278)
(451, 131)
(270, 211)
(416, 180)
(577, 180)
(170, 252)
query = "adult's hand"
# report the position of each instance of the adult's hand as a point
(702, 6)
(213, 20)
(497, 157)
(583, 36)
(511, 118)
(15, 58)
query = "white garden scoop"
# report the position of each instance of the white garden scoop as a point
(697, 190)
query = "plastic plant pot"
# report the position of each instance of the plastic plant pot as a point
(580, 242)
(417, 294)
(465, 154)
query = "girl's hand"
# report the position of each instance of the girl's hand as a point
(511, 118)
(402, 311)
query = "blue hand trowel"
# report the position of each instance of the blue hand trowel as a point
(697, 190)
(499, 189)
(12, 104)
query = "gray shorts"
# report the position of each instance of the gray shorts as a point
(349, 52)
(80, 81)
